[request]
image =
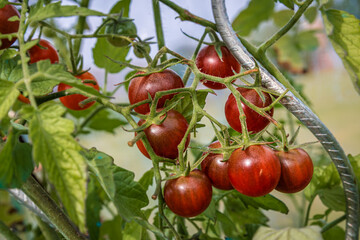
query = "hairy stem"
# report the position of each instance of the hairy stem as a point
(158, 26)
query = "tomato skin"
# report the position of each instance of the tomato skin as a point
(140, 87)
(254, 171)
(125, 28)
(48, 51)
(188, 196)
(165, 138)
(72, 101)
(23, 99)
(208, 62)
(7, 27)
(254, 121)
(216, 170)
(296, 170)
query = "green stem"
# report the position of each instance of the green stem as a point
(333, 223)
(286, 28)
(57, 217)
(158, 26)
(46, 230)
(80, 27)
(308, 211)
(7, 233)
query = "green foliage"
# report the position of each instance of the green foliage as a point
(8, 95)
(308, 233)
(251, 17)
(334, 233)
(343, 30)
(287, 3)
(282, 17)
(106, 121)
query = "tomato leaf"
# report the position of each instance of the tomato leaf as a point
(147, 179)
(251, 17)
(112, 229)
(121, 6)
(307, 41)
(16, 161)
(93, 207)
(282, 17)
(333, 198)
(343, 30)
(107, 121)
(8, 96)
(307, 233)
(287, 3)
(59, 153)
(311, 14)
(334, 233)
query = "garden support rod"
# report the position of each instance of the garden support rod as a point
(302, 112)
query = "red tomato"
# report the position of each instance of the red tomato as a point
(46, 51)
(23, 99)
(254, 171)
(208, 62)
(165, 138)
(188, 196)
(72, 101)
(140, 87)
(296, 170)
(7, 27)
(254, 121)
(217, 170)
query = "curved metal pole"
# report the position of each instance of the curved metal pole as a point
(303, 113)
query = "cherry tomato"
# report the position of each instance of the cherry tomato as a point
(141, 87)
(188, 196)
(208, 62)
(165, 138)
(217, 170)
(23, 99)
(72, 101)
(46, 51)
(124, 27)
(7, 27)
(296, 170)
(254, 121)
(254, 171)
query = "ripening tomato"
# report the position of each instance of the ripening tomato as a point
(141, 87)
(216, 169)
(188, 196)
(124, 27)
(72, 101)
(208, 62)
(254, 121)
(165, 138)
(254, 171)
(46, 51)
(6, 26)
(296, 170)
(23, 99)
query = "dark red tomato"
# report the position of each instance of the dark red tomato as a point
(7, 27)
(72, 101)
(46, 51)
(140, 87)
(208, 62)
(254, 121)
(165, 138)
(188, 196)
(254, 171)
(296, 170)
(216, 170)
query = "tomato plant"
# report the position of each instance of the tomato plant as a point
(141, 87)
(6, 26)
(73, 101)
(209, 62)
(216, 168)
(123, 27)
(296, 170)
(42, 51)
(188, 196)
(254, 171)
(254, 121)
(165, 137)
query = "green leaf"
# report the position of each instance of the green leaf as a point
(103, 50)
(210, 212)
(16, 162)
(147, 179)
(93, 208)
(8, 54)
(8, 96)
(333, 198)
(287, 3)
(343, 30)
(40, 12)
(7, 67)
(307, 233)
(334, 233)
(121, 6)
(105, 120)
(307, 41)
(134, 231)
(251, 17)
(282, 17)
(311, 14)
(59, 153)
(355, 163)
(112, 229)
(267, 202)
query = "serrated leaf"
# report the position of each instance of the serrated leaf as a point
(6, 68)
(333, 198)
(106, 121)
(59, 153)
(8, 96)
(343, 30)
(147, 179)
(39, 12)
(251, 17)
(8, 54)
(307, 233)
(282, 17)
(311, 14)
(16, 162)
